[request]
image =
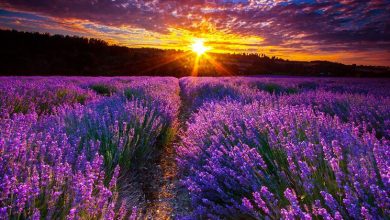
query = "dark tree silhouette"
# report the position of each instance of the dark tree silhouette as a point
(24, 53)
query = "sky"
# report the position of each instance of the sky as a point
(346, 31)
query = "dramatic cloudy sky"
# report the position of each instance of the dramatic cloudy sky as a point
(348, 31)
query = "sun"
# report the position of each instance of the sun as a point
(199, 47)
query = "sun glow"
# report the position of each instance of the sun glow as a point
(199, 47)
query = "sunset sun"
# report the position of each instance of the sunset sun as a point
(199, 47)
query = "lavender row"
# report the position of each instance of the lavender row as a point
(364, 109)
(41, 96)
(43, 174)
(310, 153)
(282, 163)
(44, 94)
(75, 160)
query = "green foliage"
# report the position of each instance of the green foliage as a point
(132, 93)
(103, 89)
(308, 86)
(276, 89)
(20, 106)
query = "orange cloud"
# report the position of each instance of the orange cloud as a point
(346, 31)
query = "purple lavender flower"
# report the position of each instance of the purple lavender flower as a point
(330, 201)
(260, 203)
(247, 204)
(133, 215)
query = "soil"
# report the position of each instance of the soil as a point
(165, 198)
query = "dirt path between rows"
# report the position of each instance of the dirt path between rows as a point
(165, 198)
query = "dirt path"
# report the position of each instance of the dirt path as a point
(166, 194)
(165, 198)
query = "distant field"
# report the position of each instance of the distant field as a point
(241, 147)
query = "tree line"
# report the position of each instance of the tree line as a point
(25, 53)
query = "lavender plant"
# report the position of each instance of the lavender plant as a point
(368, 111)
(310, 154)
(281, 163)
(66, 161)
(127, 130)
(43, 176)
(41, 96)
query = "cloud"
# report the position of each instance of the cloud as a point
(317, 25)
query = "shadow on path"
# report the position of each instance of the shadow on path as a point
(165, 198)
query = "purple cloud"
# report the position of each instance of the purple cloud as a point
(345, 25)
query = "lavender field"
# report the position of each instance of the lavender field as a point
(194, 148)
